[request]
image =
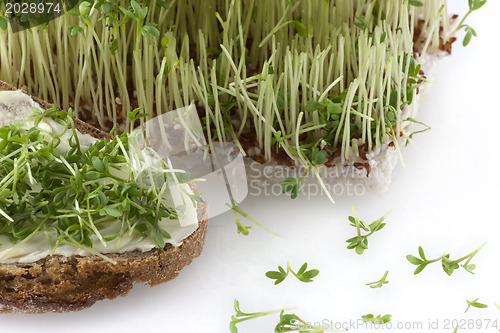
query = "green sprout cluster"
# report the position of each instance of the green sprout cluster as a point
(78, 193)
(294, 76)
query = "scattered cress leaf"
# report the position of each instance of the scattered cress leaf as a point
(448, 265)
(360, 242)
(377, 319)
(475, 304)
(301, 274)
(379, 283)
(245, 229)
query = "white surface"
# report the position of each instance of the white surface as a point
(446, 196)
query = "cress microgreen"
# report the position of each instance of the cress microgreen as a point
(241, 316)
(318, 157)
(242, 229)
(448, 265)
(410, 137)
(291, 184)
(53, 185)
(361, 23)
(379, 283)
(290, 322)
(360, 242)
(302, 275)
(377, 319)
(287, 322)
(475, 304)
(131, 52)
(469, 31)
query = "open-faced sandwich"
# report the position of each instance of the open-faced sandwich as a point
(85, 214)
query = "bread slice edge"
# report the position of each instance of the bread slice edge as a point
(62, 284)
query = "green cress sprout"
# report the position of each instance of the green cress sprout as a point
(293, 323)
(449, 266)
(301, 275)
(290, 184)
(410, 137)
(498, 306)
(242, 316)
(360, 242)
(242, 229)
(469, 31)
(78, 193)
(475, 304)
(287, 323)
(379, 283)
(378, 319)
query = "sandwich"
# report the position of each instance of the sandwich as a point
(82, 215)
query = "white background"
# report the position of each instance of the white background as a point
(447, 197)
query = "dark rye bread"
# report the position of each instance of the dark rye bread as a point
(62, 284)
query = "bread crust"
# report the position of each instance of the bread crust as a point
(63, 284)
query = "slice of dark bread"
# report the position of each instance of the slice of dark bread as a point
(61, 284)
